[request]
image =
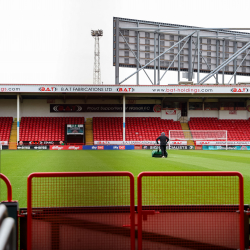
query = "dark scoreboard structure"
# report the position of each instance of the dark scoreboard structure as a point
(74, 133)
(75, 129)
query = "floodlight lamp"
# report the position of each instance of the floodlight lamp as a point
(97, 32)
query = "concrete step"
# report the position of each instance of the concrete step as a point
(188, 135)
(12, 145)
(13, 135)
(89, 132)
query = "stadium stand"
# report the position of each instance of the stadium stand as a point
(46, 128)
(107, 128)
(137, 128)
(237, 129)
(5, 128)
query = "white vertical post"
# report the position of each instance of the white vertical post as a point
(18, 110)
(124, 109)
(169, 139)
(226, 139)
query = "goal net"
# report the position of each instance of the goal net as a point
(198, 137)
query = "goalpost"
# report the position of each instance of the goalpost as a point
(200, 137)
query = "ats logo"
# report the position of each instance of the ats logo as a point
(121, 147)
(205, 142)
(239, 90)
(125, 89)
(48, 89)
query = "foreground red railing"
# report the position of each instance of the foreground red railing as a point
(90, 210)
(9, 188)
(194, 210)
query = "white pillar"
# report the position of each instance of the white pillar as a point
(18, 109)
(124, 109)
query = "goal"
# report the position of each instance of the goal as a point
(198, 137)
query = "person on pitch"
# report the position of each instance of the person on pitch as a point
(163, 143)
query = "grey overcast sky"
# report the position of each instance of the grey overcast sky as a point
(49, 41)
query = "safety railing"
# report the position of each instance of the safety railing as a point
(199, 210)
(9, 188)
(72, 210)
(195, 210)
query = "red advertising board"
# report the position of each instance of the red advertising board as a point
(65, 147)
(100, 147)
(121, 147)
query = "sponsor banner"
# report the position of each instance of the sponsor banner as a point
(243, 147)
(4, 142)
(5, 147)
(171, 147)
(34, 147)
(39, 142)
(170, 112)
(111, 147)
(137, 147)
(129, 147)
(108, 142)
(149, 147)
(63, 108)
(66, 147)
(136, 142)
(182, 147)
(232, 112)
(192, 89)
(89, 147)
(198, 147)
(108, 147)
(207, 147)
(222, 143)
(178, 143)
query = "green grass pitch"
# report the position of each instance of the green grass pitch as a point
(18, 164)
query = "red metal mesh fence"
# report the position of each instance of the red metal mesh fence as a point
(195, 210)
(81, 211)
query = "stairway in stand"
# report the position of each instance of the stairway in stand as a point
(89, 132)
(13, 135)
(187, 135)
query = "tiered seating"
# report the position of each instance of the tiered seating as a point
(107, 128)
(46, 128)
(237, 130)
(148, 128)
(137, 128)
(5, 128)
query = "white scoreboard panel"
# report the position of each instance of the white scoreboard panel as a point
(215, 47)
